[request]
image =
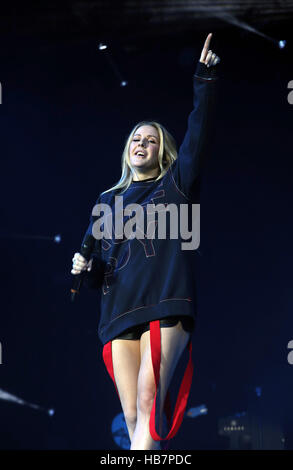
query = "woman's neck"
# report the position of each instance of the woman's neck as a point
(144, 176)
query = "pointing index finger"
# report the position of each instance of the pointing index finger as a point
(207, 45)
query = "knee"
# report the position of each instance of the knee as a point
(130, 417)
(145, 401)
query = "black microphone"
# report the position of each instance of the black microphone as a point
(86, 250)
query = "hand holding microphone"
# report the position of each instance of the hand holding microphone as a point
(82, 262)
(79, 264)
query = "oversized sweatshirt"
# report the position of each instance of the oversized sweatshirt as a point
(149, 278)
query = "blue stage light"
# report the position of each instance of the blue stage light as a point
(258, 391)
(197, 411)
(120, 432)
(57, 238)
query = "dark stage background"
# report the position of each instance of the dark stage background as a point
(64, 119)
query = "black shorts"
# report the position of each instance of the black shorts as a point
(135, 332)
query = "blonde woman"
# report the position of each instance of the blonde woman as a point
(148, 304)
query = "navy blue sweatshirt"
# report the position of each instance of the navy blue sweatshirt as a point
(149, 279)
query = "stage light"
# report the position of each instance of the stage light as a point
(57, 238)
(282, 44)
(102, 46)
(51, 412)
(113, 66)
(197, 411)
(258, 391)
(120, 432)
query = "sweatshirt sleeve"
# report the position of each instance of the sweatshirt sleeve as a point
(94, 278)
(194, 148)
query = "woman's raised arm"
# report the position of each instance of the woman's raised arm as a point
(193, 149)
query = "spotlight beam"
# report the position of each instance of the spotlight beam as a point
(6, 396)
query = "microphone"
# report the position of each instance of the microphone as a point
(86, 250)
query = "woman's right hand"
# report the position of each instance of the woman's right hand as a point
(79, 264)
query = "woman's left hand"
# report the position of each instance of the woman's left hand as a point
(208, 57)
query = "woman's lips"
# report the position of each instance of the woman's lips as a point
(139, 156)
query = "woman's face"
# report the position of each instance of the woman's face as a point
(144, 149)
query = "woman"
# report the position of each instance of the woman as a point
(148, 303)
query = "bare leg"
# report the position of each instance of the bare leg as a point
(173, 341)
(126, 364)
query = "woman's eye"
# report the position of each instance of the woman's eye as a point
(136, 140)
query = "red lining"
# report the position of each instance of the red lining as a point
(183, 394)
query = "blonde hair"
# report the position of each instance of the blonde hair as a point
(166, 156)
